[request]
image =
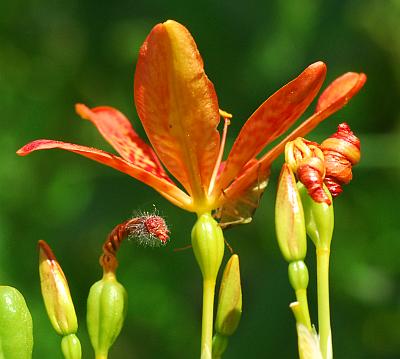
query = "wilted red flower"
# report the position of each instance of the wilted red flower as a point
(179, 110)
(341, 153)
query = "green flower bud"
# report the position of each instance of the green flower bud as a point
(16, 337)
(208, 245)
(230, 299)
(219, 345)
(71, 347)
(298, 275)
(289, 218)
(55, 291)
(106, 311)
(319, 219)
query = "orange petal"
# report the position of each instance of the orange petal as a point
(178, 106)
(349, 83)
(273, 118)
(334, 97)
(165, 188)
(118, 132)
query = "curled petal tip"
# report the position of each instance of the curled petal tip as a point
(83, 111)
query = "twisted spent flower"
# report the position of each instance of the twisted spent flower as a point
(179, 110)
(326, 166)
(148, 230)
(341, 152)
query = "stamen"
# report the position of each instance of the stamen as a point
(227, 117)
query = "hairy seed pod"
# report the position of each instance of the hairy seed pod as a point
(306, 160)
(341, 152)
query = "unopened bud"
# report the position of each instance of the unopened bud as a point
(319, 219)
(306, 160)
(71, 347)
(298, 275)
(55, 291)
(230, 299)
(208, 245)
(341, 152)
(16, 337)
(289, 218)
(106, 311)
(219, 345)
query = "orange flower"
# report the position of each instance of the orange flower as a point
(179, 110)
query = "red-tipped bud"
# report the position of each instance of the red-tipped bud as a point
(307, 162)
(341, 152)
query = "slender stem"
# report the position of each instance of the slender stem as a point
(301, 296)
(101, 356)
(324, 321)
(207, 319)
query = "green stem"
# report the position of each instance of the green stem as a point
(301, 296)
(207, 319)
(324, 321)
(101, 356)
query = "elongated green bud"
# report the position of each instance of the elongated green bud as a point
(55, 291)
(319, 219)
(298, 275)
(16, 337)
(71, 347)
(219, 345)
(289, 218)
(230, 299)
(106, 311)
(208, 245)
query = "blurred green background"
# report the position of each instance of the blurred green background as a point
(56, 53)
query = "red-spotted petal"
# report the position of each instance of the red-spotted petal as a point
(273, 118)
(178, 106)
(118, 131)
(165, 188)
(334, 97)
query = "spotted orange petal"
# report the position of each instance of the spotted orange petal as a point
(273, 118)
(165, 188)
(178, 106)
(118, 131)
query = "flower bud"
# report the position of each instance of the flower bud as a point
(16, 337)
(56, 295)
(289, 218)
(106, 311)
(341, 152)
(319, 219)
(219, 345)
(71, 347)
(298, 275)
(208, 245)
(230, 299)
